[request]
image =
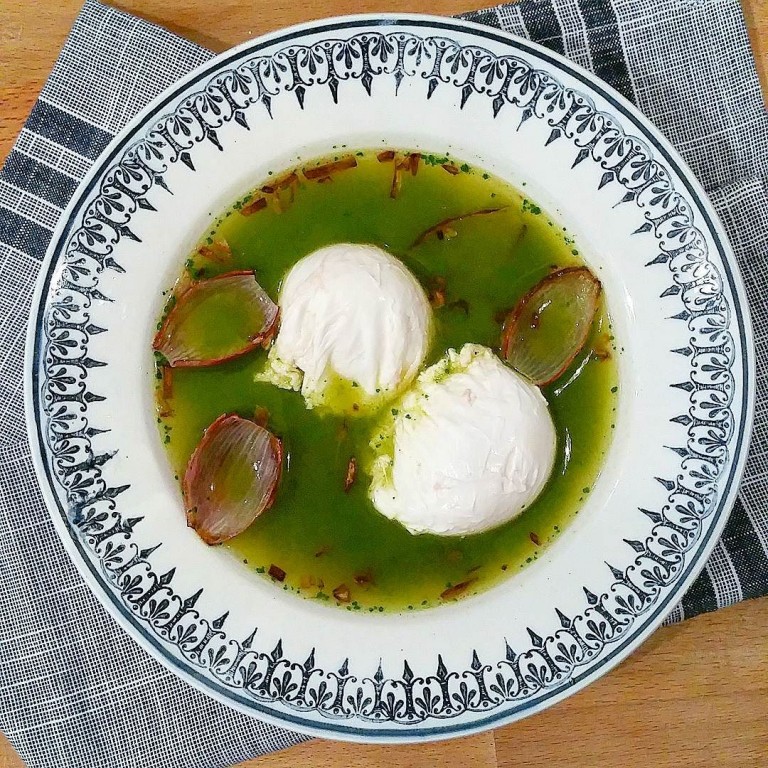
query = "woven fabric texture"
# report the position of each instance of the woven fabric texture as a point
(64, 701)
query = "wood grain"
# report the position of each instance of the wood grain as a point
(695, 696)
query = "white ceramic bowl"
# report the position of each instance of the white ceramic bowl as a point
(679, 312)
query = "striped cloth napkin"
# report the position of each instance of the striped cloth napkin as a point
(67, 701)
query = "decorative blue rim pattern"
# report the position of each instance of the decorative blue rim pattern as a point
(254, 678)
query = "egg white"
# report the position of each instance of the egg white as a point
(351, 316)
(468, 448)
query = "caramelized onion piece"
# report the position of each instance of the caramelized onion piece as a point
(351, 474)
(215, 320)
(218, 251)
(444, 229)
(328, 169)
(397, 181)
(288, 181)
(456, 590)
(231, 478)
(550, 324)
(409, 162)
(342, 594)
(164, 407)
(257, 204)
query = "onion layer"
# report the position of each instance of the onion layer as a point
(215, 320)
(231, 478)
(549, 326)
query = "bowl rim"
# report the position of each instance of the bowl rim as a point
(450, 729)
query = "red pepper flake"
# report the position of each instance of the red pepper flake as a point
(366, 577)
(534, 538)
(351, 474)
(257, 204)
(328, 169)
(437, 292)
(277, 573)
(451, 168)
(261, 416)
(341, 593)
(437, 299)
(307, 582)
(413, 162)
(324, 550)
(456, 590)
(282, 191)
(386, 156)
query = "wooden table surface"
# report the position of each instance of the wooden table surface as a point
(695, 695)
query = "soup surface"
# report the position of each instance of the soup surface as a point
(320, 538)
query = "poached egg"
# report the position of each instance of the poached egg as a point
(354, 328)
(468, 448)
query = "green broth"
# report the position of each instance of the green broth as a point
(319, 534)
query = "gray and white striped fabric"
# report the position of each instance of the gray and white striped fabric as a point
(63, 702)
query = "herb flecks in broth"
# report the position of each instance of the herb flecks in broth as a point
(322, 534)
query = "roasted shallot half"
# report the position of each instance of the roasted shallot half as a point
(231, 478)
(215, 320)
(549, 326)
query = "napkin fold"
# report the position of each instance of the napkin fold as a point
(75, 690)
